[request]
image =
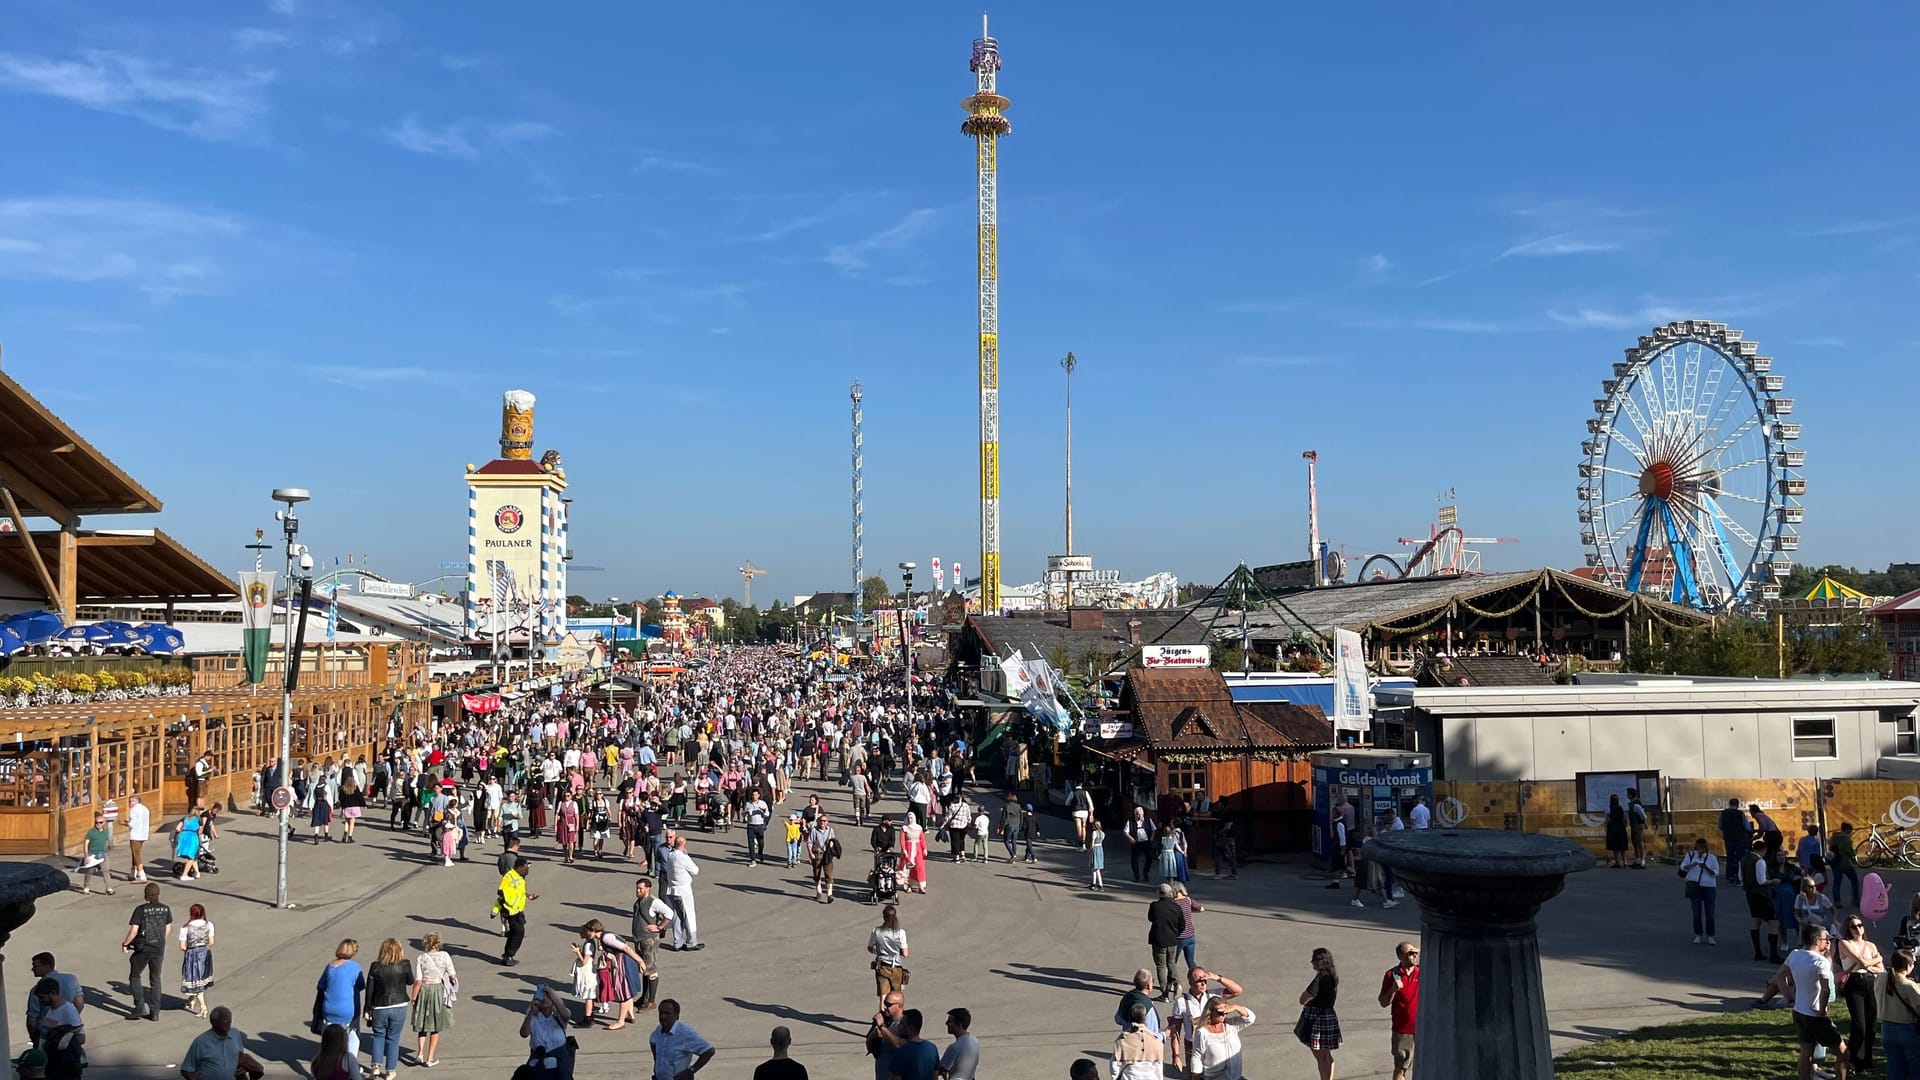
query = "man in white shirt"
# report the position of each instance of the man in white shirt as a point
(1190, 1005)
(139, 828)
(496, 798)
(680, 872)
(757, 813)
(678, 1051)
(1809, 971)
(1420, 817)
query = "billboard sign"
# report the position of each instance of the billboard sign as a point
(394, 590)
(506, 523)
(1175, 656)
(1069, 564)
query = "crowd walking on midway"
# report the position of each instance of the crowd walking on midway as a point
(724, 751)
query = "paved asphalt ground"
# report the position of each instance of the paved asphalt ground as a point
(1037, 958)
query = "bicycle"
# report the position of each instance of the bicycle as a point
(1893, 848)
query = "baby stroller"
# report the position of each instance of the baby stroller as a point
(711, 816)
(883, 884)
(209, 863)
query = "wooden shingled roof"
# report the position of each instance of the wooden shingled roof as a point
(1194, 710)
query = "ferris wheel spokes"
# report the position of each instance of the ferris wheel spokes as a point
(1716, 498)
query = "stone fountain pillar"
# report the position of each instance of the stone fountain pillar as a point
(20, 885)
(1482, 1010)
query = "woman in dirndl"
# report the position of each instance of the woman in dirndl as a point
(617, 970)
(196, 960)
(1167, 865)
(1318, 1026)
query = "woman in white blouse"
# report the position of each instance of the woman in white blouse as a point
(1701, 870)
(1216, 1040)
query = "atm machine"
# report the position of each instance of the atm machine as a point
(1379, 780)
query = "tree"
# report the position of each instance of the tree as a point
(1751, 649)
(875, 594)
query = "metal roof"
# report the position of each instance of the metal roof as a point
(1901, 605)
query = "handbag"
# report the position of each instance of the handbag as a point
(1303, 1029)
(1693, 890)
(318, 1023)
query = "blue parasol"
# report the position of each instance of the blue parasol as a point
(160, 640)
(10, 641)
(35, 627)
(118, 633)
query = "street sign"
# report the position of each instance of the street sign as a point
(282, 798)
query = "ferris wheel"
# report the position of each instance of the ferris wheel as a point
(1690, 481)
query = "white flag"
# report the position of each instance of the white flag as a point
(1350, 709)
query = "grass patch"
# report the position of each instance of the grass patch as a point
(1735, 1045)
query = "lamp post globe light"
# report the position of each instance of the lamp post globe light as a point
(297, 554)
(906, 632)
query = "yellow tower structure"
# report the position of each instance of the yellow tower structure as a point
(985, 124)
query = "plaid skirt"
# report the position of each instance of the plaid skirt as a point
(1323, 1028)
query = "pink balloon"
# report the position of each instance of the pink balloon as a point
(1874, 900)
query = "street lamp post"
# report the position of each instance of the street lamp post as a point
(296, 553)
(906, 639)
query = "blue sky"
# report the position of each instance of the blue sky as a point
(310, 242)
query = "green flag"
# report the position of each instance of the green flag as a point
(256, 602)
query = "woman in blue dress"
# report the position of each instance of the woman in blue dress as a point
(186, 846)
(1097, 855)
(1167, 866)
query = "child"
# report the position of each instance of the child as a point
(982, 826)
(793, 840)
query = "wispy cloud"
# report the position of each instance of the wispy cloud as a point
(468, 61)
(852, 258)
(1820, 343)
(1858, 228)
(1376, 265)
(1640, 318)
(167, 251)
(363, 377)
(251, 38)
(792, 225)
(466, 139)
(69, 321)
(214, 105)
(1559, 244)
(672, 161)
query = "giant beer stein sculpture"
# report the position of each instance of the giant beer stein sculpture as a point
(516, 426)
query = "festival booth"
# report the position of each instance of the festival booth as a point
(64, 761)
(1381, 780)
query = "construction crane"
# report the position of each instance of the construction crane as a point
(747, 573)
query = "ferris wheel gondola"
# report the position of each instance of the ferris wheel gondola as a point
(1690, 478)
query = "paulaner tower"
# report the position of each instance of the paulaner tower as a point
(986, 123)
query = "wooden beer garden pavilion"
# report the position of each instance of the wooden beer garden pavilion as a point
(61, 763)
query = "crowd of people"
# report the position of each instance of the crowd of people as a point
(720, 750)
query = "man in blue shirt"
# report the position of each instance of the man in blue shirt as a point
(915, 1058)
